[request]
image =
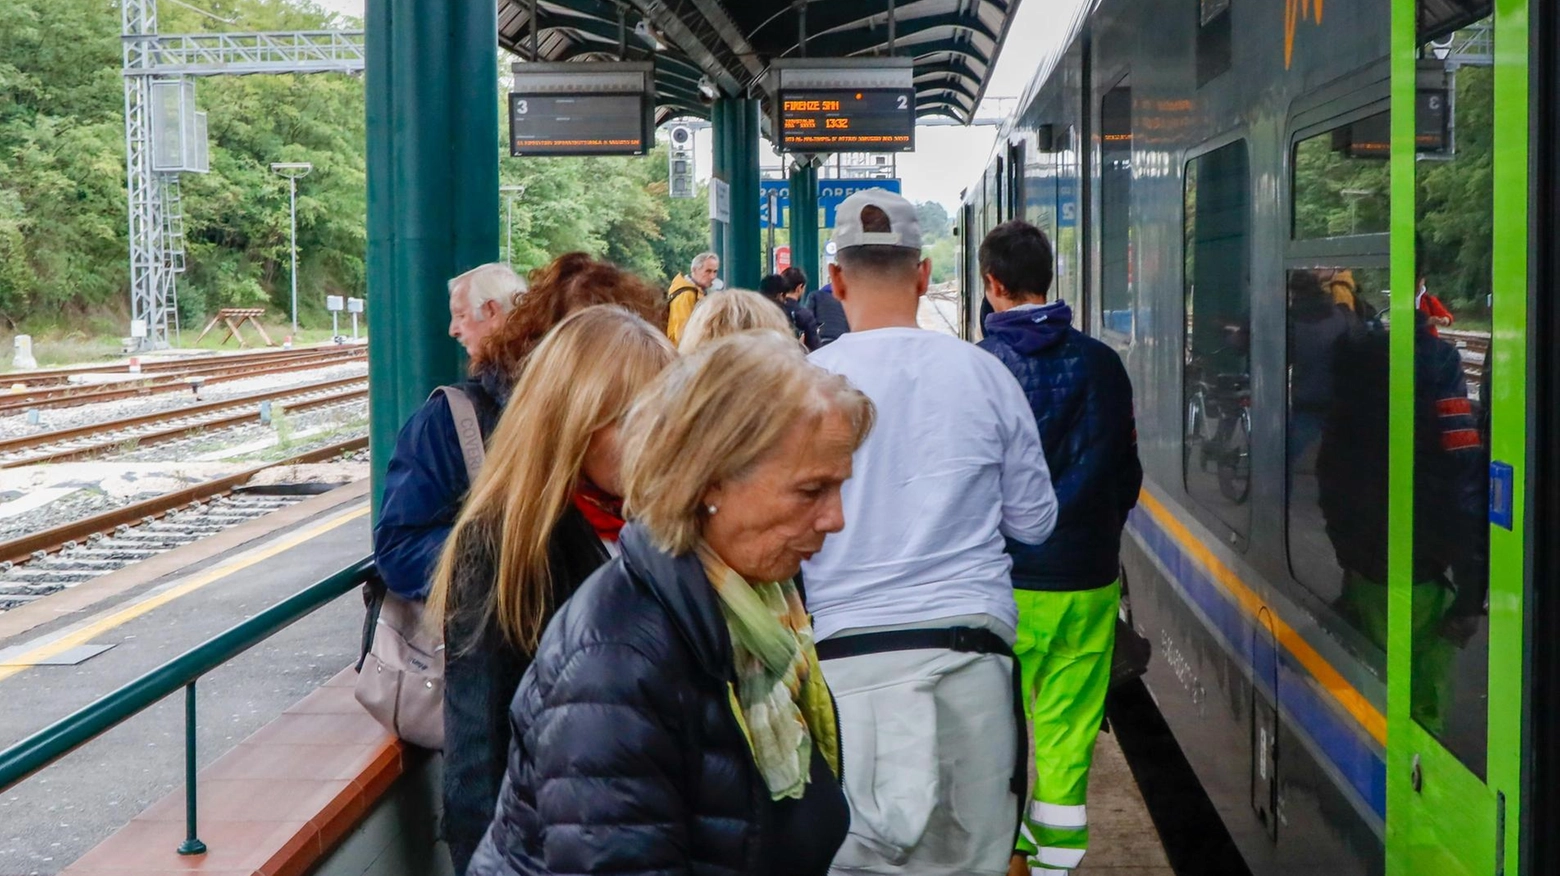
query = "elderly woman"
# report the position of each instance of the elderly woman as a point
(732, 311)
(675, 719)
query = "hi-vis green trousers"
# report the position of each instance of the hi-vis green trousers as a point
(1064, 650)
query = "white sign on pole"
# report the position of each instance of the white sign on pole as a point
(354, 305)
(720, 201)
(137, 328)
(335, 302)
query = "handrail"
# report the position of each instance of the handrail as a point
(53, 742)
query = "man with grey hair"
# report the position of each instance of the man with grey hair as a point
(687, 290)
(913, 602)
(479, 299)
(430, 470)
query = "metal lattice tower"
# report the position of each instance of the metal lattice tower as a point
(156, 216)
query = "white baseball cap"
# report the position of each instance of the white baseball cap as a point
(904, 227)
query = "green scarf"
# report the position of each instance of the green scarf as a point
(780, 698)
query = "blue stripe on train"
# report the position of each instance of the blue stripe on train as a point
(1345, 743)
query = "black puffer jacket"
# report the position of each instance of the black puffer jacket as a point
(627, 757)
(481, 672)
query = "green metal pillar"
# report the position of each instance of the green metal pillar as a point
(736, 162)
(719, 169)
(804, 222)
(432, 96)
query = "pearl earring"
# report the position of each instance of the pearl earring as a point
(712, 509)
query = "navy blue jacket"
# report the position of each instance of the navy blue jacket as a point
(627, 758)
(1082, 400)
(830, 313)
(425, 485)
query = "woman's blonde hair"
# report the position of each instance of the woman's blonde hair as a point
(713, 415)
(582, 378)
(728, 312)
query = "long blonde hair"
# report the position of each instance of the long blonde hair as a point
(582, 378)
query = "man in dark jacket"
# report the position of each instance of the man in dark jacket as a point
(830, 314)
(1067, 589)
(426, 479)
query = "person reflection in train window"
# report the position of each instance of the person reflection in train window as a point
(676, 719)
(914, 600)
(542, 516)
(1437, 316)
(1317, 326)
(1450, 484)
(1068, 589)
(732, 311)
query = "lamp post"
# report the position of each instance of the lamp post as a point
(510, 193)
(294, 171)
(1354, 196)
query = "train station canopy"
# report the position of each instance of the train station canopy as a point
(728, 44)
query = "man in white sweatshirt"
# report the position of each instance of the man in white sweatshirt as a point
(913, 602)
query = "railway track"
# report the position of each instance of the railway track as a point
(80, 442)
(42, 377)
(62, 556)
(208, 372)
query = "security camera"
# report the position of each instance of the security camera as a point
(707, 89)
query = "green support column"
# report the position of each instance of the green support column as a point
(432, 107)
(736, 161)
(804, 222)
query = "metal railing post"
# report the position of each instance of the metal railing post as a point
(192, 844)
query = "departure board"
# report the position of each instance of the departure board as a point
(578, 124)
(847, 120)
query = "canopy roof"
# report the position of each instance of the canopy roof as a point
(729, 43)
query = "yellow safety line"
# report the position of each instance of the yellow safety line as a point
(97, 628)
(1347, 696)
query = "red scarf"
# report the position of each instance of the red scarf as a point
(602, 510)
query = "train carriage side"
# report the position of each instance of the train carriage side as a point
(1161, 156)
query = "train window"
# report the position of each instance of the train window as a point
(1216, 453)
(1341, 180)
(1068, 243)
(1214, 34)
(1115, 201)
(1455, 298)
(1336, 442)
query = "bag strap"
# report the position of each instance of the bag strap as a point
(374, 592)
(468, 430)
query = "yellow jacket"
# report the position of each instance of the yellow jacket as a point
(680, 304)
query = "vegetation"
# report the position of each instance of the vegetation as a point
(63, 249)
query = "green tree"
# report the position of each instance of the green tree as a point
(935, 224)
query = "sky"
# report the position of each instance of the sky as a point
(946, 159)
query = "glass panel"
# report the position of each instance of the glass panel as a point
(1453, 302)
(1115, 198)
(1217, 379)
(1067, 239)
(1341, 180)
(1336, 445)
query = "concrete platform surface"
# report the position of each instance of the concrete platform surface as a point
(57, 815)
(1122, 838)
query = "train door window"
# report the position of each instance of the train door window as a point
(1115, 206)
(1216, 453)
(1341, 180)
(1336, 422)
(1455, 298)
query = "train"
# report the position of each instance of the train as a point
(1337, 551)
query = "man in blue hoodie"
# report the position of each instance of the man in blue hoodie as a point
(1068, 588)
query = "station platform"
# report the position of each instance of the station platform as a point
(116, 804)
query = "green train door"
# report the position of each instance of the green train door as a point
(1458, 345)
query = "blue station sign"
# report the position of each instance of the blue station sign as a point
(831, 192)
